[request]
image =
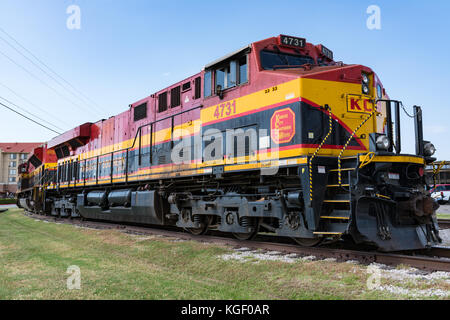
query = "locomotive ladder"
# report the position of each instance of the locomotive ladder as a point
(337, 205)
(336, 209)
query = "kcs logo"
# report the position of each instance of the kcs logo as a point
(357, 104)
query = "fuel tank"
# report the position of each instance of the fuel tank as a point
(119, 198)
(97, 198)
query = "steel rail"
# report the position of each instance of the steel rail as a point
(444, 224)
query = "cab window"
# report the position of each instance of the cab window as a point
(226, 76)
(243, 77)
(231, 74)
(207, 83)
(271, 60)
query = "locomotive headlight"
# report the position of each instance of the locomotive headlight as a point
(365, 83)
(383, 142)
(365, 79)
(428, 149)
(365, 89)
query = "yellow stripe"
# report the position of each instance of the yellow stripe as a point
(325, 233)
(337, 185)
(260, 99)
(319, 91)
(156, 174)
(407, 159)
(331, 217)
(50, 165)
(244, 104)
(344, 169)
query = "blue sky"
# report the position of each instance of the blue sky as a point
(126, 50)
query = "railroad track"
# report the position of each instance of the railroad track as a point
(444, 224)
(433, 259)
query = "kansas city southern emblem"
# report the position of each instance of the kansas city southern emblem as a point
(282, 126)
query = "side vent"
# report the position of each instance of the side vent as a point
(59, 153)
(35, 161)
(186, 86)
(175, 97)
(162, 102)
(140, 112)
(198, 88)
(162, 160)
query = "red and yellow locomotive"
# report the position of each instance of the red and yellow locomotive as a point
(276, 136)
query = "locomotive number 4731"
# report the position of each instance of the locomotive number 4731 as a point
(225, 109)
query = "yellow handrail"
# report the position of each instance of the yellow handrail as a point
(436, 171)
(317, 151)
(348, 141)
(367, 159)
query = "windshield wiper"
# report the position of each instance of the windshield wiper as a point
(305, 66)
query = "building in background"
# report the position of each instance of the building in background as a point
(443, 172)
(12, 154)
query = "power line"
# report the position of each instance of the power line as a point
(28, 118)
(51, 70)
(24, 110)
(43, 82)
(35, 105)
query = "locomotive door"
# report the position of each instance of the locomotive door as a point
(162, 141)
(138, 141)
(180, 155)
(228, 146)
(121, 135)
(185, 139)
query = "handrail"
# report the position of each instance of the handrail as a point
(389, 120)
(436, 171)
(327, 107)
(148, 124)
(138, 134)
(348, 141)
(368, 158)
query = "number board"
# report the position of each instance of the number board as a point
(292, 41)
(327, 52)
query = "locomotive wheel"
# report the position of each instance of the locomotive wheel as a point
(308, 242)
(249, 235)
(202, 229)
(198, 231)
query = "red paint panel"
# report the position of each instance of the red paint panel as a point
(82, 132)
(107, 132)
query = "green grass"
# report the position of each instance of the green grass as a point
(443, 215)
(7, 201)
(34, 257)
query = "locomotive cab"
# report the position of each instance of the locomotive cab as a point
(338, 119)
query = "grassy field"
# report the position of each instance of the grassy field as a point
(34, 257)
(443, 215)
(7, 201)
